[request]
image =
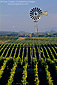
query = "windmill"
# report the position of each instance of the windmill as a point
(36, 14)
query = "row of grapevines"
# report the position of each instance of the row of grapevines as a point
(4, 65)
(36, 72)
(48, 74)
(24, 77)
(4, 50)
(10, 81)
(8, 50)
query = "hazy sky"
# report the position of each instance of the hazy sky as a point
(14, 15)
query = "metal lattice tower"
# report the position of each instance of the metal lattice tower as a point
(36, 26)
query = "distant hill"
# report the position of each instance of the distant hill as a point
(25, 34)
(22, 32)
(7, 33)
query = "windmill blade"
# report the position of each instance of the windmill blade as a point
(45, 13)
(39, 17)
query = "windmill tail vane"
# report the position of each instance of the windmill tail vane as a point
(45, 13)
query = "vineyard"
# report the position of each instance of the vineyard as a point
(17, 66)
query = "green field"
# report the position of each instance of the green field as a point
(28, 40)
(18, 65)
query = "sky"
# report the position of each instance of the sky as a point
(14, 15)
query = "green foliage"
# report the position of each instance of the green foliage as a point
(19, 53)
